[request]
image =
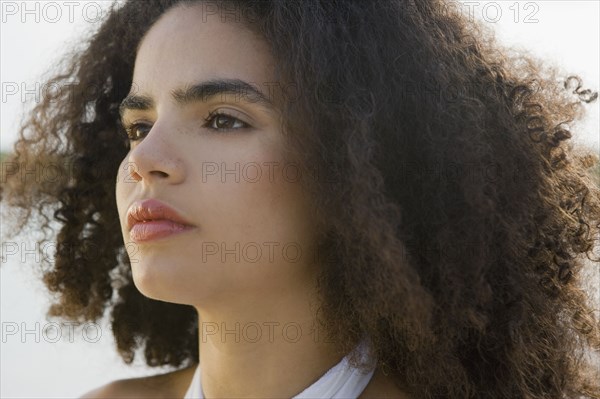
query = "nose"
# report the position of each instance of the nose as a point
(155, 159)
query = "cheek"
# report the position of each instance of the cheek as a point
(260, 202)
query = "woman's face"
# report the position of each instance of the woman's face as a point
(254, 225)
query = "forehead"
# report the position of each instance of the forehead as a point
(185, 45)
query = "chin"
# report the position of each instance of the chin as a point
(153, 281)
(163, 282)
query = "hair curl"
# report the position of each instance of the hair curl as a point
(460, 214)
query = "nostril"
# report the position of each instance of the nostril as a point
(160, 173)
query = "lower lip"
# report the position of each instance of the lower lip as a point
(155, 229)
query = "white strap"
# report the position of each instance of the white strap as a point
(341, 381)
(195, 389)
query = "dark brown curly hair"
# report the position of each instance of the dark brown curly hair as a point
(460, 215)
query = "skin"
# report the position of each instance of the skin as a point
(184, 47)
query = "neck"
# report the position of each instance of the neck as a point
(266, 346)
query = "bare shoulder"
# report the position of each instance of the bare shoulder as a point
(382, 386)
(168, 385)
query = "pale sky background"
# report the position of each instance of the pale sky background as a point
(566, 33)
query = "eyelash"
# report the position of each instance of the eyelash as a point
(212, 116)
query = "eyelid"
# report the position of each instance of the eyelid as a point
(234, 113)
(127, 123)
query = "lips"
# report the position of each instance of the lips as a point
(152, 219)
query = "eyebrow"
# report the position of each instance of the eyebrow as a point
(202, 91)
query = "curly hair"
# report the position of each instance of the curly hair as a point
(460, 214)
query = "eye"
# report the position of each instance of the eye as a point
(135, 131)
(216, 121)
(224, 122)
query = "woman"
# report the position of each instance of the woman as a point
(266, 192)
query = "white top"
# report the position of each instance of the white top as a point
(341, 381)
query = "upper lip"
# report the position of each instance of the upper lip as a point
(152, 209)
